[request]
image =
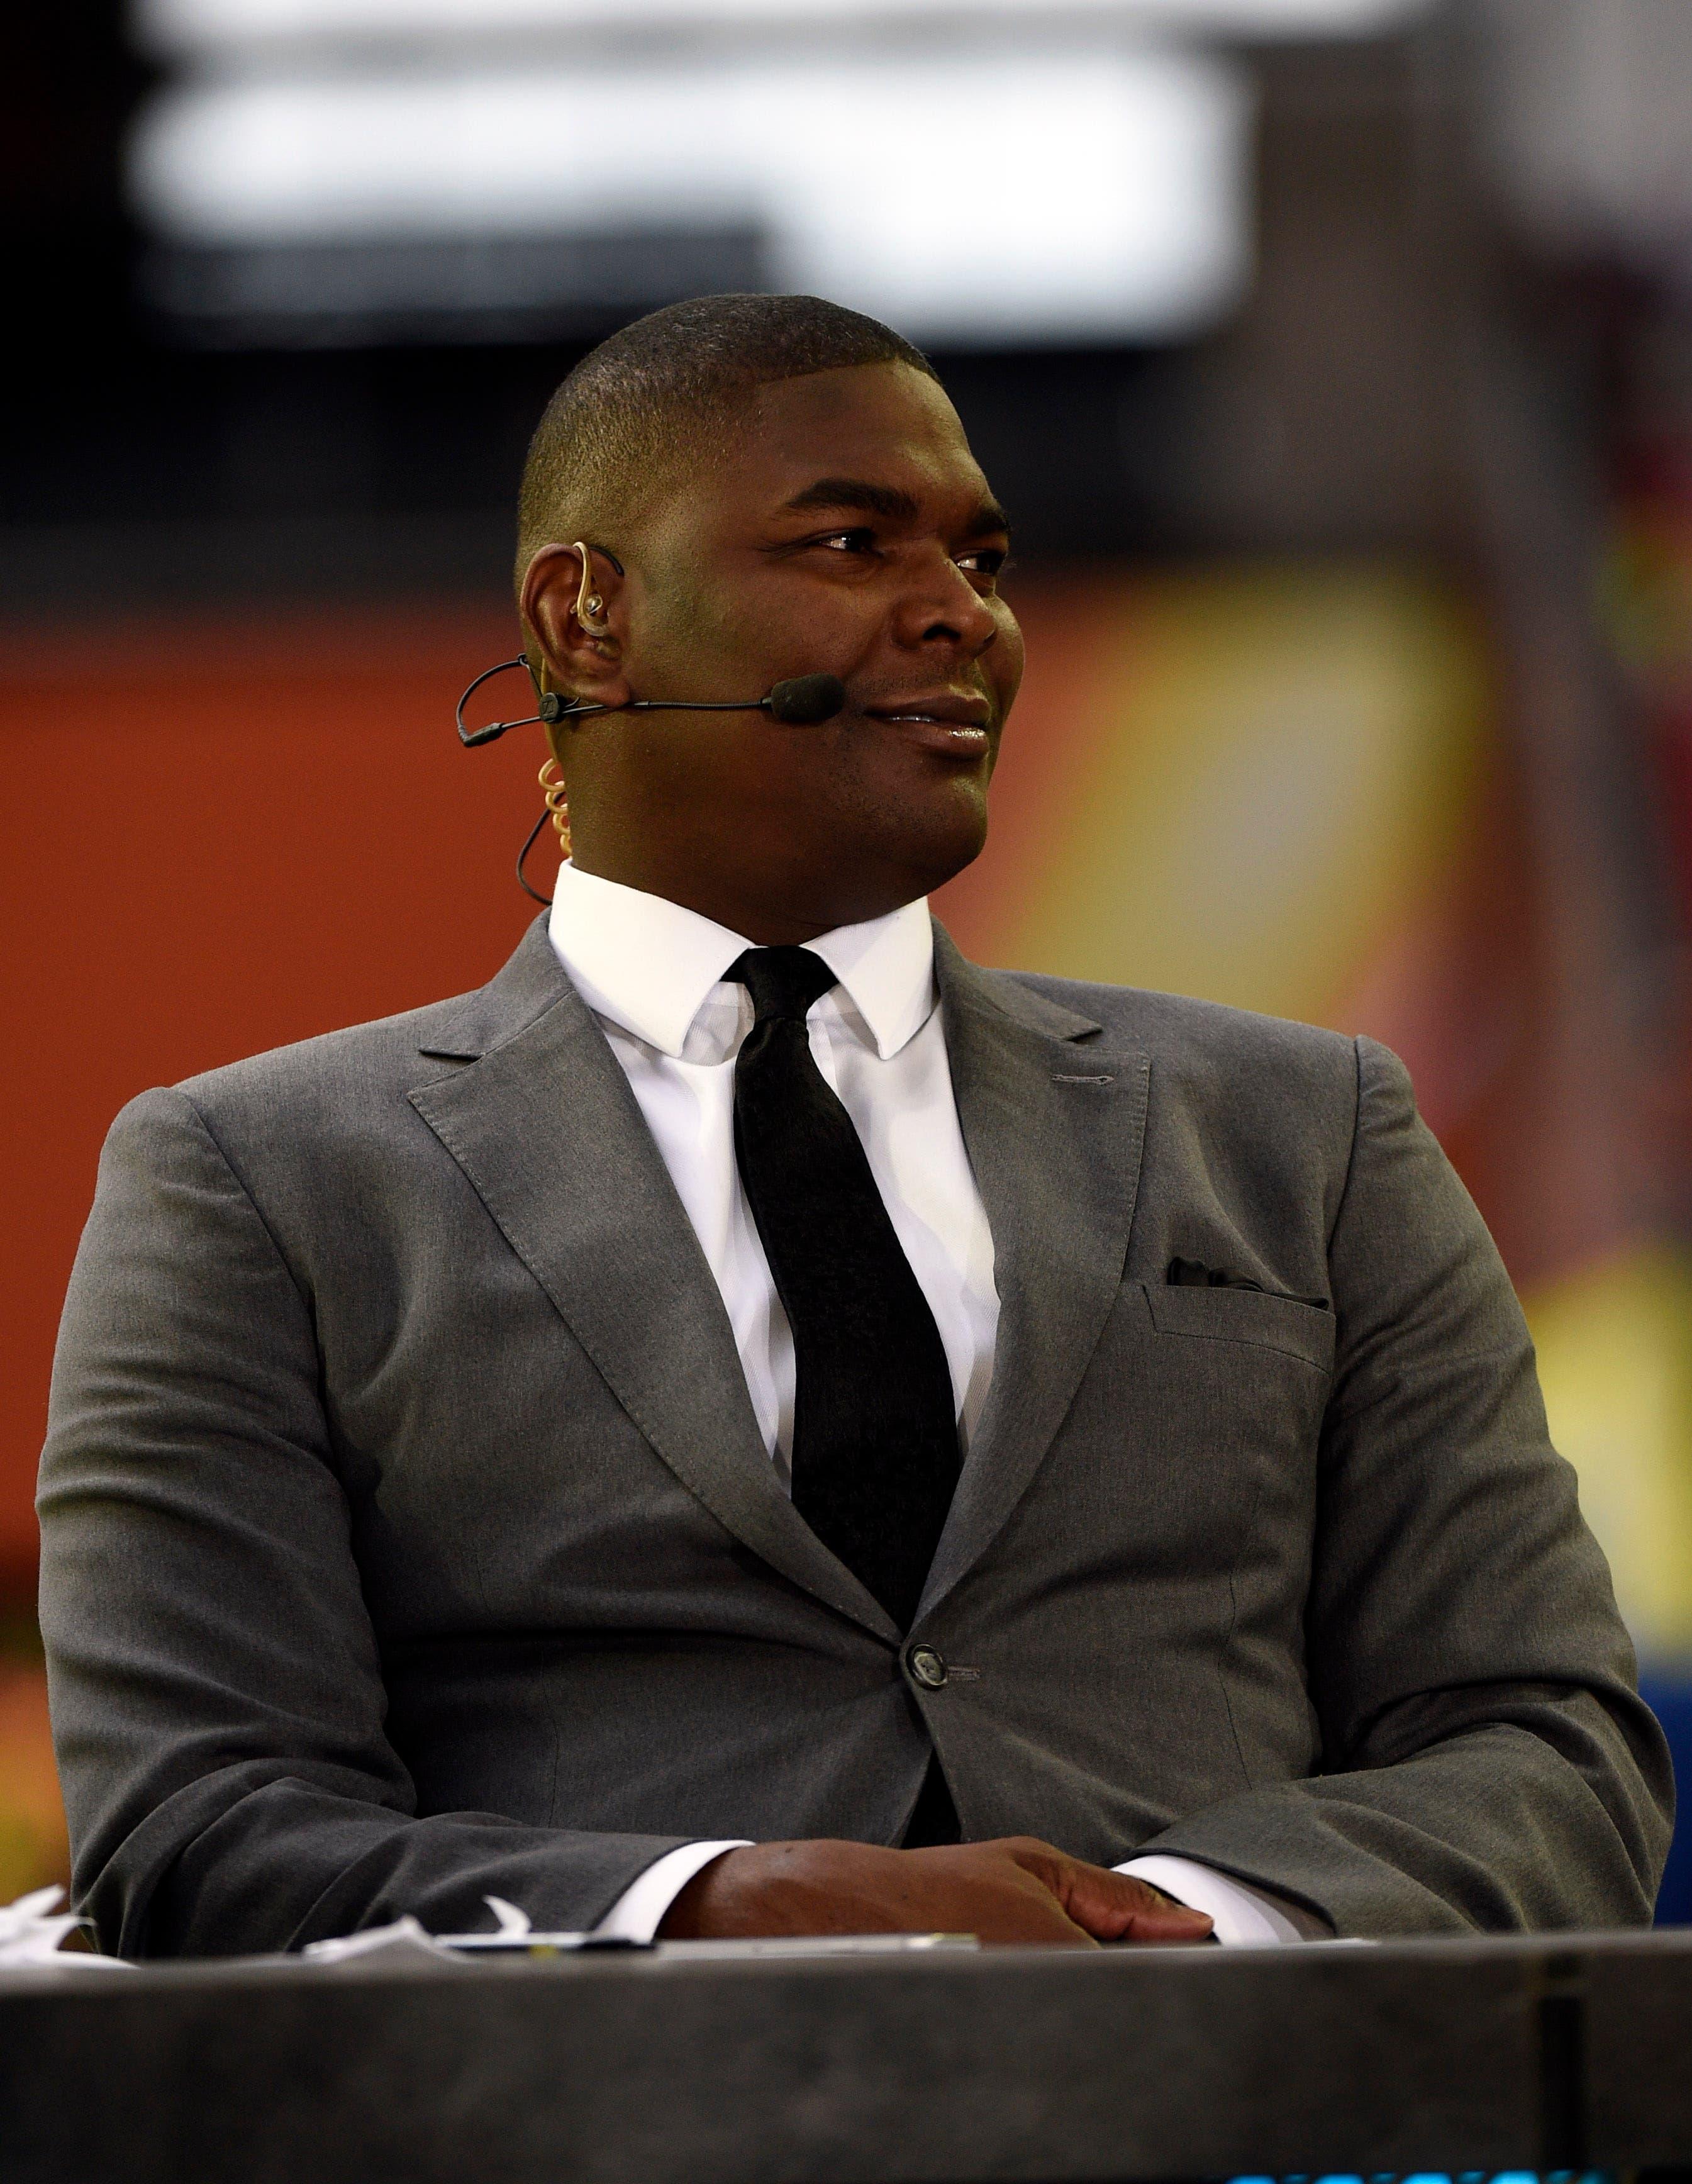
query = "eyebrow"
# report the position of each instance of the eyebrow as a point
(889, 501)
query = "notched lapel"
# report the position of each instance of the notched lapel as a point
(547, 1130)
(1054, 1119)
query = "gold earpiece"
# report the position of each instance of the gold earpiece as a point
(590, 606)
(558, 803)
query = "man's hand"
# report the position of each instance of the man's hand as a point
(1015, 1890)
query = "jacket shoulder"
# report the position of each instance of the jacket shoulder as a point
(366, 1055)
(345, 1071)
(1176, 1027)
(1246, 1111)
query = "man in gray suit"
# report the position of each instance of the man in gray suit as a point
(750, 1424)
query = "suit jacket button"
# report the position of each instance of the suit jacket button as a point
(926, 1666)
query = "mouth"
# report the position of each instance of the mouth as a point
(957, 721)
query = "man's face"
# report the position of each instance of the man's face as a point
(849, 530)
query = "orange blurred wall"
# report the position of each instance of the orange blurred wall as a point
(218, 839)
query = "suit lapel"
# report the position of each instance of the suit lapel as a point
(1054, 1119)
(545, 1126)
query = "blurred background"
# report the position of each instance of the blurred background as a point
(1334, 357)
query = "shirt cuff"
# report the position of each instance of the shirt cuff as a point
(1242, 1917)
(638, 1911)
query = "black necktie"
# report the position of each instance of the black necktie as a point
(875, 1452)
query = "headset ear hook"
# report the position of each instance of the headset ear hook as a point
(553, 706)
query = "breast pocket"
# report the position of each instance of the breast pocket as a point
(1298, 1330)
(1199, 1420)
(1183, 1489)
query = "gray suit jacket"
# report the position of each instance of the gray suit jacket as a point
(408, 1534)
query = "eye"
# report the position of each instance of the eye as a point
(848, 542)
(988, 562)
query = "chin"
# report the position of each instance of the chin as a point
(938, 848)
(854, 859)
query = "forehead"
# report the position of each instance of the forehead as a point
(881, 422)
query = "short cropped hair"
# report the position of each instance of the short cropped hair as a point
(658, 394)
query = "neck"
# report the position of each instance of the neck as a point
(768, 918)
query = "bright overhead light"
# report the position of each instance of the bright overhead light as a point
(176, 26)
(1098, 196)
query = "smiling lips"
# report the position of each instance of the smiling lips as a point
(957, 720)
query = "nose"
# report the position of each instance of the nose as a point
(942, 611)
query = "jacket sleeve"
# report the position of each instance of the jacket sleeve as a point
(1488, 1764)
(217, 1695)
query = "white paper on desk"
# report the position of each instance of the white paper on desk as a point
(813, 1945)
(404, 1937)
(32, 1931)
(515, 1935)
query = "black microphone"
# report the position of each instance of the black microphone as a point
(802, 701)
(806, 701)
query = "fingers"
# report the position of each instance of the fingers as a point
(1163, 1920)
(1116, 1907)
(1111, 1907)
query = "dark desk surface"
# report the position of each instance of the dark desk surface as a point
(1554, 2052)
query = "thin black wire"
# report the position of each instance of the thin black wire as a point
(472, 737)
(534, 893)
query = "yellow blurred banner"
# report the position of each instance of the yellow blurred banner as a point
(1286, 788)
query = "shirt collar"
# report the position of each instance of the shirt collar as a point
(650, 965)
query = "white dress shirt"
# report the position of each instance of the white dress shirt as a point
(651, 973)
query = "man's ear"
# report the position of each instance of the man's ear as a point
(583, 658)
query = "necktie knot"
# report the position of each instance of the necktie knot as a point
(783, 982)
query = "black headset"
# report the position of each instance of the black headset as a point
(802, 701)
